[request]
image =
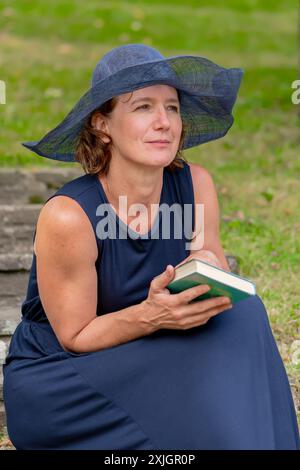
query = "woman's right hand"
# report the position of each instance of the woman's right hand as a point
(173, 311)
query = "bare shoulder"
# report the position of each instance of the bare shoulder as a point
(63, 225)
(202, 179)
(199, 172)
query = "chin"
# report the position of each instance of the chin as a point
(161, 160)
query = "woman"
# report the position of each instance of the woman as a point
(105, 357)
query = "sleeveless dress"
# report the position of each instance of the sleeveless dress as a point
(218, 386)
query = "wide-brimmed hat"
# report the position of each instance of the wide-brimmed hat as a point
(207, 93)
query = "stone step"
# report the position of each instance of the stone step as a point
(3, 352)
(9, 320)
(10, 317)
(15, 262)
(19, 241)
(19, 214)
(33, 185)
(2, 416)
(13, 287)
(17, 230)
(1, 384)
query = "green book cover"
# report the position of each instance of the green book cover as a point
(224, 286)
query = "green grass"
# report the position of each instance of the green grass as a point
(48, 52)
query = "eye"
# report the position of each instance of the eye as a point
(174, 108)
(143, 106)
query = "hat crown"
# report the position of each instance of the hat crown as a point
(122, 57)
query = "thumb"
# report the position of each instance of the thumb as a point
(163, 279)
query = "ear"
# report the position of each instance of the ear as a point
(99, 122)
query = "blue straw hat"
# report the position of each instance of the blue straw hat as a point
(207, 93)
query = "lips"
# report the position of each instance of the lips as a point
(159, 142)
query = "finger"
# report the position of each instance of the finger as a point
(203, 318)
(192, 293)
(199, 308)
(203, 306)
(160, 282)
(216, 311)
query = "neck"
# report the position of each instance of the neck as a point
(140, 184)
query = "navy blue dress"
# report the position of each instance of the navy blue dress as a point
(218, 386)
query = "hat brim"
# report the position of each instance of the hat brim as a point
(207, 96)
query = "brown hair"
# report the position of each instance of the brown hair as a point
(94, 154)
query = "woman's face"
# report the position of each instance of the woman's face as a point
(145, 126)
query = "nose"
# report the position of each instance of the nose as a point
(161, 119)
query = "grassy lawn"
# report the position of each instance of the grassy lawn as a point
(49, 49)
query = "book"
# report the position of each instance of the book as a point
(222, 283)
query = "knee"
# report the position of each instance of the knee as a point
(253, 310)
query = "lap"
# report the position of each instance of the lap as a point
(203, 388)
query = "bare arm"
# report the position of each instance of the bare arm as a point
(66, 251)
